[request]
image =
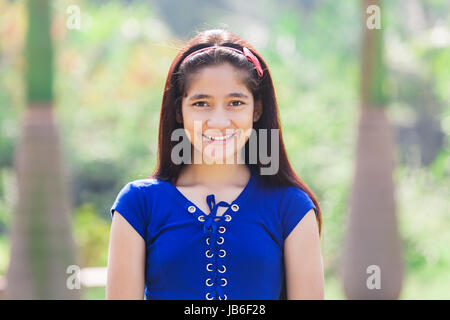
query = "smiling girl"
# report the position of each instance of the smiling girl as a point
(221, 226)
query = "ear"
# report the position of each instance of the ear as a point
(258, 110)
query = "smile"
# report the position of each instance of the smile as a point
(219, 138)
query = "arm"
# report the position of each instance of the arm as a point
(303, 261)
(126, 261)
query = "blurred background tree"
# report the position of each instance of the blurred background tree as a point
(42, 247)
(372, 261)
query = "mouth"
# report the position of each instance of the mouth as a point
(219, 139)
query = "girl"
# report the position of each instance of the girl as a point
(170, 239)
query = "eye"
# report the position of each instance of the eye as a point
(196, 104)
(241, 103)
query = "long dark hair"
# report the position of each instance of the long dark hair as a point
(262, 89)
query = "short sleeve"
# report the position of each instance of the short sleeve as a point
(295, 205)
(129, 204)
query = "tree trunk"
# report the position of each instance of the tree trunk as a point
(41, 239)
(372, 263)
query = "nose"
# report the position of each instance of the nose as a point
(218, 120)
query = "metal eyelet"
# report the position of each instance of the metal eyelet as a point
(224, 297)
(221, 239)
(227, 217)
(235, 207)
(208, 283)
(191, 209)
(223, 269)
(224, 282)
(224, 253)
(201, 218)
(207, 267)
(222, 229)
(209, 297)
(207, 241)
(209, 254)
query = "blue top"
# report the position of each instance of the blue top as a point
(190, 256)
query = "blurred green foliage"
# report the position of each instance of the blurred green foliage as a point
(92, 235)
(108, 84)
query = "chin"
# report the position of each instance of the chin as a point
(220, 158)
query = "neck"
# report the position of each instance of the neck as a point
(214, 175)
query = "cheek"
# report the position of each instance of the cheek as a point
(192, 126)
(245, 120)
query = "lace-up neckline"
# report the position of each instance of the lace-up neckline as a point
(192, 208)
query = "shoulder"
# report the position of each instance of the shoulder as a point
(144, 185)
(282, 195)
(136, 199)
(294, 204)
(285, 195)
(142, 192)
(285, 198)
(293, 193)
(293, 197)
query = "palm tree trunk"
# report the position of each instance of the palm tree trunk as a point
(42, 246)
(372, 263)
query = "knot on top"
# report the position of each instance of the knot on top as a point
(210, 225)
(213, 206)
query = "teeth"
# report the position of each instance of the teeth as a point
(218, 138)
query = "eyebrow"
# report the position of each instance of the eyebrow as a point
(206, 96)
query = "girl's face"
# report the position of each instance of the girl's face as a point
(218, 112)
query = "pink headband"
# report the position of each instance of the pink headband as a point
(246, 52)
